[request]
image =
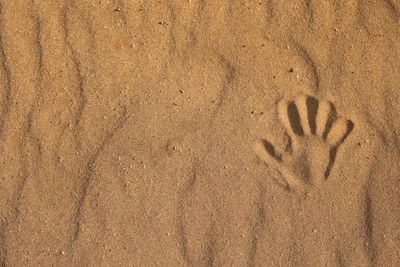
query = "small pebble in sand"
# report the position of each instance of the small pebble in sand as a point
(181, 91)
(291, 70)
(161, 22)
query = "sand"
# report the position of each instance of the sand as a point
(200, 133)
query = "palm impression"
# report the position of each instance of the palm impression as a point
(315, 133)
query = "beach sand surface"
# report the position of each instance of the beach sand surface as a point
(199, 133)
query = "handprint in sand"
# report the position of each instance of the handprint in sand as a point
(315, 133)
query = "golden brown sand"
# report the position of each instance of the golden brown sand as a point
(200, 133)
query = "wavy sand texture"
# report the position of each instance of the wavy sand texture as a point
(199, 133)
